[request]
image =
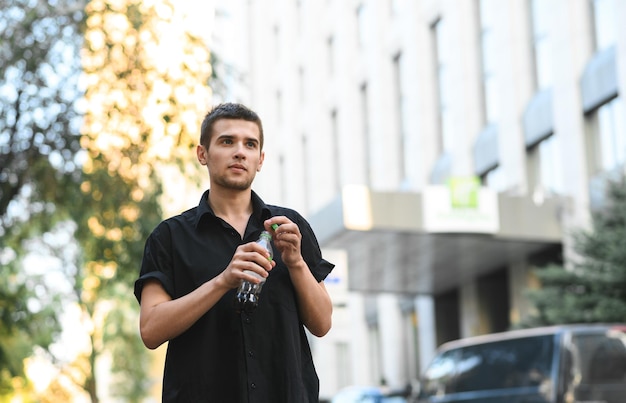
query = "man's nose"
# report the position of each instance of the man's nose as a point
(239, 151)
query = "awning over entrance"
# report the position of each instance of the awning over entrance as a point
(392, 247)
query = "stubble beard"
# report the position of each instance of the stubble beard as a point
(227, 183)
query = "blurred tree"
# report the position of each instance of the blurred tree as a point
(56, 393)
(39, 146)
(146, 75)
(144, 72)
(39, 136)
(593, 289)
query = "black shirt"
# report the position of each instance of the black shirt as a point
(225, 356)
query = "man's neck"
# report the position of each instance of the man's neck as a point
(234, 207)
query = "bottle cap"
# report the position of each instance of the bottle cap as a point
(274, 226)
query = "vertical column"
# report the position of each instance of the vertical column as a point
(425, 309)
(572, 48)
(514, 75)
(469, 311)
(519, 281)
(391, 339)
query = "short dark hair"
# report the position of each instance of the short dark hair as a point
(228, 111)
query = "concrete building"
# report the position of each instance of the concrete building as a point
(379, 114)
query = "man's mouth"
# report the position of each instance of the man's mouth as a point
(238, 167)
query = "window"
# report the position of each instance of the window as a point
(545, 168)
(494, 179)
(523, 362)
(505, 364)
(487, 19)
(279, 107)
(541, 20)
(276, 42)
(299, 16)
(334, 127)
(366, 132)
(330, 51)
(401, 114)
(439, 35)
(608, 136)
(361, 25)
(306, 170)
(603, 23)
(283, 177)
(601, 358)
(301, 84)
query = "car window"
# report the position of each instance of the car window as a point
(505, 364)
(600, 358)
(597, 370)
(502, 364)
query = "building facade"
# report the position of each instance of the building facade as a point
(379, 114)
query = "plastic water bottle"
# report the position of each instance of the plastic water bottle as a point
(247, 297)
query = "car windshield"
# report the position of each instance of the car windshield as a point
(505, 364)
(512, 363)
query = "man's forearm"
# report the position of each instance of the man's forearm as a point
(315, 306)
(164, 319)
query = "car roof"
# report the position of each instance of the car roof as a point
(529, 332)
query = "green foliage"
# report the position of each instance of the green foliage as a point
(24, 322)
(41, 177)
(91, 173)
(593, 289)
(141, 114)
(39, 142)
(39, 139)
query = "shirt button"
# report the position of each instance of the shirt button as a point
(247, 320)
(253, 385)
(251, 353)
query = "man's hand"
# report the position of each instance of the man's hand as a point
(247, 257)
(287, 239)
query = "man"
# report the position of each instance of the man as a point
(194, 262)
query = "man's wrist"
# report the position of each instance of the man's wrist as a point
(300, 264)
(220, 283)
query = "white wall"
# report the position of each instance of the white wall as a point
(307, 176)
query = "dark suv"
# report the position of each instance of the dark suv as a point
(560, 364)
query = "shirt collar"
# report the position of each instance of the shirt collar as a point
(260, 211)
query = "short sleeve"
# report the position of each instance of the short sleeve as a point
(157, 261)
(311, 251)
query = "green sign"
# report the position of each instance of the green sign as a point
(464, 192)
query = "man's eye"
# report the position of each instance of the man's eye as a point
(227, 141)
(251, 144)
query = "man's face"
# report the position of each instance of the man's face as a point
(234, 154)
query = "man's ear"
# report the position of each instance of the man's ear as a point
(201, 152)
(258, 168)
